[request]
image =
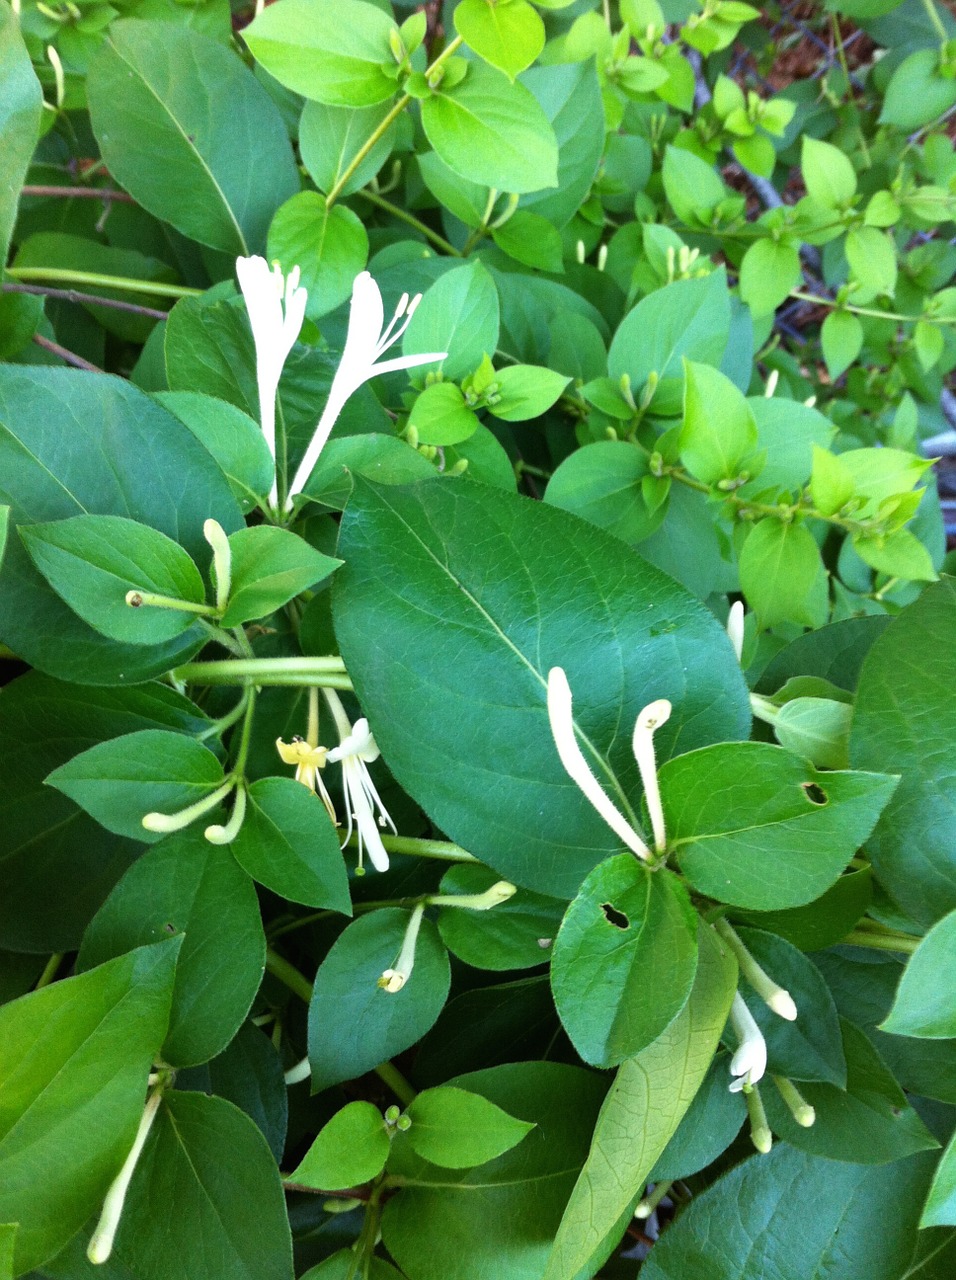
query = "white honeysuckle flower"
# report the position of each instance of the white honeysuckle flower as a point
(560, 714)
(356, 750)
(365, 342)
(750, 1061)
(648, 721)
(735, 627)
(276, 307)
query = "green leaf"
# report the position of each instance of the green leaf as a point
(4, 530)
(481, 729)
(329, 246)
(624, 960)
(755, 1216)
(47, 839)
(709, 1126)
(832, 482)
(841, 336)
(73, 1068)
(384, 459)
(689, 319)
(570, 97)
(351, 1149)
(209, 1165)
(342, 60)
(529, 238)
(692, 187)
(288, 843)
(917, 93)
(353, 1023)
(56, 428)
(779, 564)
(509, 36)
(187, 885)
(924, 1006)
(270, 567)
(441, 416)
(331, 137)
(341, 1266)
(869, 1123)
(498, 1218)
(602, 483)
(904, 721)
(899, 555)
(768, 272)
(187, 129)
(787, 431)
(466, 200)
(719, 429)
(21, 105)
(823, 922)
(120, 781)
(757, 827)
(458, 1130)
(492, 132)
(8, 1238)
(817, 729)
(940, 1207)
(248, 1073)
(809, 1048)
(871, 254)
(516, 934)
(647, 1101)
(91, 562)
(233, 438)
(828, 175)
(458, 314)
(526, 391)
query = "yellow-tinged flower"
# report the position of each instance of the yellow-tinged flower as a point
(308, 760)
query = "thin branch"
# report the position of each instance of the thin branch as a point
(71, 295)
(80, 193)
(69, 356)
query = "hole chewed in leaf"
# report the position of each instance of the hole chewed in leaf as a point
(815, 794)
(615, 917)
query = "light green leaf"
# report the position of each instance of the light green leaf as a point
(757, 827)
(530, 239)
(331, 137)
(350, 1149)
(940, 1207)
(925, 1005)
(441, 416)
(899, 555)
(872, 257)
(74, 1058)
(187, 885)
(458, 1130)
(770, 269)
(329, 246)
(832, 482)
(340, 60)
(208, 1164)
(509, 36)
(917, 93)
(719, 429)
(492, 132)
(828, 175)
(526, 391)
(709, 1126)
(841, 336)
(817, 729)
(270, 566)
(119, 781)
(187, 129)
(91, 562)
(624, 960)
(458, 314)
(646, 1103)
(779, 564)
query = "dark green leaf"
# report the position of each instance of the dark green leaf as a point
(940, 1208)
(331, 137)
(515, 934)
(826, 919)
(187, 885)
(21, 102)
(709, 1126)
(73, 1067)
(602, 484)
(190, 133)
(624, 960)
(233, 438)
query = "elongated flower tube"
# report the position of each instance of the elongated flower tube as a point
(356, 750)
(650, 719)
(561, 716)
(392, 980)
(276, 307)
(735, 626)
(365, 342)
(101, 1242)
(749, 1063)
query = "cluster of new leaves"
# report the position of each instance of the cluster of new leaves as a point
(680, 336)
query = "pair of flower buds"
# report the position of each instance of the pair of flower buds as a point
(276, 306)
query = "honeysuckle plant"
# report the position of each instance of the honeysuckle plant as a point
(597, 599)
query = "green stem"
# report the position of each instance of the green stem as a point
(152, 287)
(409, 218)
(482, 227)
(878, 942)
(324, 672)
(869, 311)
(382, 128)
(936, 20)
(137, 599)
(49, 970)
(289, 975)
(242, 755)
(390, 1074)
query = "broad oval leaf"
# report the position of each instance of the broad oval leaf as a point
(459, 708)
(187, 885)
(458, 314)
(350, 1149)
(329, 246)
(515, 934)
(925, 1005)
(757, 827)
(191, 134)
(21, 106)
(624, 960)
(458, 1129)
